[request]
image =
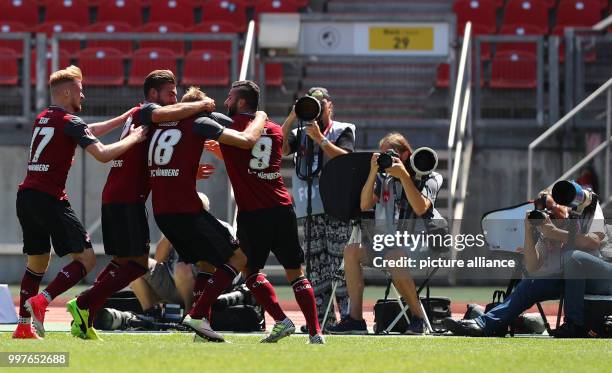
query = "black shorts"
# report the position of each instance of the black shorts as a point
(273, 229)
(125, 229)
(198, 237)
(45, 220)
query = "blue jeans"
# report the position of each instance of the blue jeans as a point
(526, 293)
(577, 264)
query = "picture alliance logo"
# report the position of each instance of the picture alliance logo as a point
(412, 242)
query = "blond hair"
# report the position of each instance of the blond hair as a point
(396, 141)
(193, 94)
(66, 75)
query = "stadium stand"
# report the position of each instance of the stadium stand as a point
(124, 46)
(71, 46)
(64, 60)
(67, 11)
(176, 11)
(8, 27)
(104, 66)
(526, 13)
(8, 67)
(128, 11)
(146, 60)
(225, 11)
(513, 69)
(25, 12)
(214, 28)
(176, 47)
(206, 68)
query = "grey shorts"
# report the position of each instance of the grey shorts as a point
(160, 279)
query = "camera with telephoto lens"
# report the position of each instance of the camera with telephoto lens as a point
(573, 195)
(539, 213)
(385, 160)
(307, 108)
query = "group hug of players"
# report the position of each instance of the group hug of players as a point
(159, 152)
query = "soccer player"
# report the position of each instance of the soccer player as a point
(42, 205)
(125, 228)
(266, 218)
(173, 157)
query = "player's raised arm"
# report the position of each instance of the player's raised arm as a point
(182, 110)
(106, 153)
(102, 128)
(250, 135)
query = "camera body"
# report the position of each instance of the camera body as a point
(539, 213)
(385, 160)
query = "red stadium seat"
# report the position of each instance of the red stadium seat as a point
(67, 11)
(443, 75)
(214, 28)
(274, 74)
(22, 11)
(72, 46)
(128, 11)
(578, 12)
(206, 68)
(125, 46)
(102, 66)
(16, 45)
(225, 11)
(176, 11)
(177, 47)
(526, 12)
(276, 6)
(148, 59)
(478, 11)
(64, 61)
(9, 70)
(530, 47)
(513, 69)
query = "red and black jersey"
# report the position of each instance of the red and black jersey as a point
(256, 173)
(127, 180)
(174, 151)
(55, 136)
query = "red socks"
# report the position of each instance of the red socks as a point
(304, 295)
(29, 288)
(198, 287)
(265, 295)
(109, 267)
(69, 276)
(219, 281)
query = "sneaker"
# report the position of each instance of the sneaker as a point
(79, 319)
(202, 328)
(316, 339)
(281, 329)
(570, 330)
(348, 325)
(463, 327)
(25, 331)
(37, 306)
(93, 334)
(417, 327)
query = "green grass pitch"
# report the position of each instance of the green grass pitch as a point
(177, 352)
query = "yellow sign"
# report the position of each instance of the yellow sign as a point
(402, 38)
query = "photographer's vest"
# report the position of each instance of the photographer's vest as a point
(299, 186)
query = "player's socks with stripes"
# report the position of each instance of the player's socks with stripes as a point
(219, 281)
(69, 276)
(115, 280)
(304, 295)
(29, 288)
(109, 267)
(265, 295)
(199, 285)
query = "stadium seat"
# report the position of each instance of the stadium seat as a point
(148, 59)
(274, 74)
(9, 70)
(526, 12)
(16, 45)
(67, 11)
(478, 11)
(125, 46)
(177, 47)
(513, 69)
(530, 47)
(64, 61)
(128, 11)
(176, 11)
(214, 28)
(225, 11)
(206, 68)
(276, 6)
(72, 46)
(102, 66)
(578, 13)
(22, 11)
(443, 75)
(485, 48)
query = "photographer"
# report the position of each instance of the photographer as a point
(546, 246)
(328, 235)
(395, 196)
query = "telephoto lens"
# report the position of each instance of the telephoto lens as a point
(307, 108)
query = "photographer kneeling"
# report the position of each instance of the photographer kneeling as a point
(395, 196)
